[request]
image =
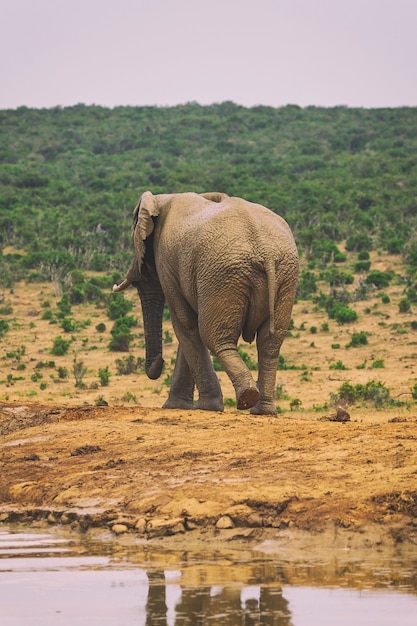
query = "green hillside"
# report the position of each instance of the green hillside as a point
(70, 177)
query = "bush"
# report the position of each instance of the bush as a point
(68, 325)
(358, 339)
(373, 391)
(338, 366)
(342, 314)
(307, 285)
(104, 376)
(335, 277)
(4, 327)
(100, 328)
(121, 336)
(358, 242)
(395, 245)
(379, 279)
(129, 365)
(118, 306)
(60, 346)
(404, 306)
(361, 267)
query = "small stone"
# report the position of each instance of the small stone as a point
(51, 519)
(224, 522)
(140, 525)
(119, 529)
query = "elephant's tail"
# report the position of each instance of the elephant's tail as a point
(271, 281)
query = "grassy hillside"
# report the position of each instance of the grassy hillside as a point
(70, 177)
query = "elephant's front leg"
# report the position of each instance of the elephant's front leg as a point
(181, 393)
(199, 364)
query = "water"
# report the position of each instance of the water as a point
(51, 578)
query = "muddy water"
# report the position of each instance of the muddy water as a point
(53, 578)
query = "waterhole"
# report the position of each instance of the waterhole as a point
(54, 578)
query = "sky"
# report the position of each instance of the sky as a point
(357, 53)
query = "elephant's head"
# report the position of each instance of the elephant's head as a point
(142, 274)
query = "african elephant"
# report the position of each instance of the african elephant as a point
(226, 268)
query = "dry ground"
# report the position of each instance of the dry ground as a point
(132, 466)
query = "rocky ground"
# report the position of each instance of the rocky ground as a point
(199, 475)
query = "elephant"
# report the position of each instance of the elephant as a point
(226, 268)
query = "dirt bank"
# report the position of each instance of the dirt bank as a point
(195, 474)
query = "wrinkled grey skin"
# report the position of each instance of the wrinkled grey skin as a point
(226, 268)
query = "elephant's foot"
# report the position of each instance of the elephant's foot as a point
(209, 404)
(247, 397)
(174, 402)
(264, 408)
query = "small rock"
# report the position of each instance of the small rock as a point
(224, 522)
(342, 415)
(140, 525)
(119, 529)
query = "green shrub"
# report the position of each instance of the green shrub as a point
(378, 364)
(60, 346)
(358, 242)
(129, 365)
(338, 366)
(64, 307)
(395, 245)
(68, 325)
(372, 391)
(361, 267)
(118, 306)
(7, 309)
(335, 277)
(4, 327)
(379, 279)
(404, 305)
(358, 339)
(363, 255)
(307, 285)
(121, 336)
(100, 328)
(342, 314)
(104, 376)
(47, 315)
(62, 372)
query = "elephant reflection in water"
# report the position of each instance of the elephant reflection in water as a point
(217, 605)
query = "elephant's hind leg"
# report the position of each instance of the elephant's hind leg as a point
(268, 352)
(247, 394)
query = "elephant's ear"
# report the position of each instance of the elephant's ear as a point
(143, 224)
(215, 196)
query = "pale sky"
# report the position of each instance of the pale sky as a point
(358, 53)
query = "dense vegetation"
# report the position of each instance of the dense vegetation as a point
(70, 177)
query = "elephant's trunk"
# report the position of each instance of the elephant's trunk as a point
(153, 300)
